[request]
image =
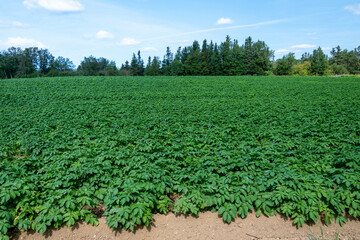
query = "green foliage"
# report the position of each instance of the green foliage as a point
(153, 67)
(92, 66)
(226, 144)
(344, 61)
(33, 62)
(319, 62)
(303, 69)
(338, 69)
(285, 65)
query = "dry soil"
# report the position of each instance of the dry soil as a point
(207, 226)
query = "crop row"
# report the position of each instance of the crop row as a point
(140, 146)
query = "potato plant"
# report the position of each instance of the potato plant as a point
(231, 145)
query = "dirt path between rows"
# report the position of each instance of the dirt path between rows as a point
(207, 226)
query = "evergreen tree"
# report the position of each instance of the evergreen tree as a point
(226, 56)
(155, 66)
(176, 65)
(238, 59)
(344, 61)
(134, 66)
(140, 67)
(205, 59)
(147, 71)
(319, 62)
(249, 56)
(127, 66)
(305, 57)
(192, 63)
(215, 62)
(168, 59)
(257, 57)
(262, 58)
(125, 69)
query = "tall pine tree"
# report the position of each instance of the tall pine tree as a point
(319, 63)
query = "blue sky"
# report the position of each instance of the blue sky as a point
(115, 29)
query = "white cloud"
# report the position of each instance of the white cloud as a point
(355, 9)
(23, 42)
(55, 5)
(304, 46)
(129, 41)
(148, 49)
(282, 51)
(285, 51)
(9, 24)
(102, 34)
(326, 48)
(223, 21)
(180, 41)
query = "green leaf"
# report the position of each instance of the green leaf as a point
(221, 210)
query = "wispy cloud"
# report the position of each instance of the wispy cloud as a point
(55, 5)
(102, 34)
(180, 41)
(218, 29)
(148, 49)
(129, 41)
(10, 24)
(286, 51)
(326, 48)
(23, 42)
(282, 51)
(223, 21)
(355, 9)
(312, 35)
(17, 24)
(303, 46)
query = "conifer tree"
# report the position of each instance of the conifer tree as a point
(319, 63)
(155, 67)
(205, 59)
(168, 59)
(226, 58)
(192, 63)
(134, 66)
(177, 65)
(215, 62)
(140, 65)
(147, 71)
(238, 59)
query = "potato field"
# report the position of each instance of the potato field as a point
(136, 146)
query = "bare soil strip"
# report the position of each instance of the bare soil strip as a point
(207, 226)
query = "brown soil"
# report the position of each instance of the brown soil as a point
(207, 226)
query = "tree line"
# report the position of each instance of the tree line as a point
(33, 62)
(228, 58)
